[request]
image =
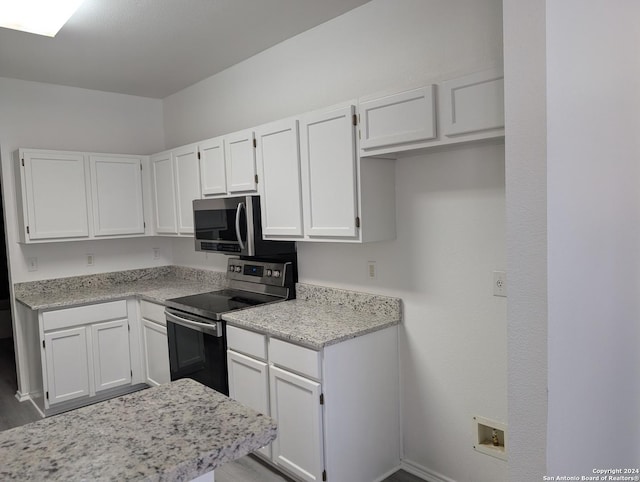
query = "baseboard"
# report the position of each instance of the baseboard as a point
(423, 472)
(388, 474)
(22, 397)
(33, 402)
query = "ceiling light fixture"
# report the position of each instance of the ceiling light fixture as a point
(42, 17)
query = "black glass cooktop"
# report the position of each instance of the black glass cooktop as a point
(214, 303)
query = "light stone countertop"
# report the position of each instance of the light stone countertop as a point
(320, 316)
(152, 284)
(173, 432)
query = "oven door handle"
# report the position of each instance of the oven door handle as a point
(238, 234)
(210, 329)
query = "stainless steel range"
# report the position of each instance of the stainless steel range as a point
(195, 330)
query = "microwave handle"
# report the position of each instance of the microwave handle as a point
(240, 207)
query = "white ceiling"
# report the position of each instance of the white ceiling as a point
(153, 48)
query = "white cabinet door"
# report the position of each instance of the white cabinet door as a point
(67, 364)
(187, 185)
(279, 186)
(329, 173)
(156, 353)
(116, 188)
(295, 405)
(399, 118)
(164, 200)
(241, 162)
(473, 103)
(213, 170)
(249, 385)
(111, 358)
(56, 195)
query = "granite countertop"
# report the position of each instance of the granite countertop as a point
(176, 432)
(152, 284)
(320, 316)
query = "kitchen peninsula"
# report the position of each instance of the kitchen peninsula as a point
(178, 431)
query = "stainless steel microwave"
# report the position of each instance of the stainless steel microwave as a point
(233, 225)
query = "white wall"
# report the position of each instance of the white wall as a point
(451, 206)
(526, 185)
(54, 117)
(593, 105)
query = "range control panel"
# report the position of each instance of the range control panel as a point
(269, 273)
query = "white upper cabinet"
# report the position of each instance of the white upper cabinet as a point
(213, 170)
(187, 179)
(53, 195)
(472, 104)
(241, 162)
(329, 173)
(398, 118)
(116, 188)
(279, 180)
(164, 197)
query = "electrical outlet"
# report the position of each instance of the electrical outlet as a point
(156, 253)
(499, 283)
(32, 264)
(372, 272)
(90, 260)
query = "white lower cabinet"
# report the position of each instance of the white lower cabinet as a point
(295, 405)
(67, 363)
(85, 350)
(337, 409)
(155, 349)
(249, 384)
(111, 363)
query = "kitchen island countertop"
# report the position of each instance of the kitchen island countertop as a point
(176, 432)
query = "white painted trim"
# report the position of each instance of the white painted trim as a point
(423, 472)
(22, 397)
(388, 474)
(33, 402)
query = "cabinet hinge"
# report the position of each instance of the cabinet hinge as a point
(43, 344)
(47, 395)
(141, 166)
(256, 178)
(23, 162)
(255, 143)
(131, 371)
(144, 224)
(27, 229)
(322, 399)
(324, 475)
(128, 327)
(359, 134)
(358, 222)
(198, 155)
(355, 119)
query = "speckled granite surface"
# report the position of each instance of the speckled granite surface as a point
(153, 284)
(321, 316)
(173, 432)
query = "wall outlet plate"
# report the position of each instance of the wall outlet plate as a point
(90, 259)
(32, 264)
(499, 283)
(372, 270)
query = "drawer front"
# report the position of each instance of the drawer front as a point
(247, 342)
(153, 312)
(82, 315)
(295, 358)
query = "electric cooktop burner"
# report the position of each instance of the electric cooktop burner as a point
(251, 283)
(213, 304)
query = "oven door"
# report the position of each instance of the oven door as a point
(224, 225)
(197, 349)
